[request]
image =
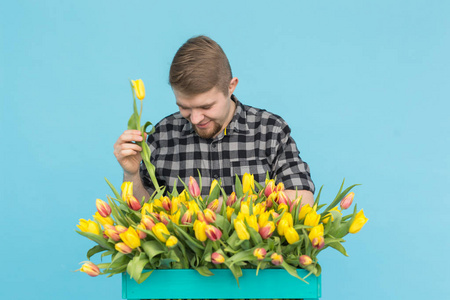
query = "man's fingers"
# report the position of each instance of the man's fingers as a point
(130, 136)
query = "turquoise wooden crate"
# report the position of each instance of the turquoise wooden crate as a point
(189, 284)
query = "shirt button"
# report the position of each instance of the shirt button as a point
(216, 176)
(214, 146)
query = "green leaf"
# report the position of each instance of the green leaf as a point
(204, 271)
(338, 246)
(339, 197)
(293, 271)
(119, 260)
(98, 239)
(109, 252)
(132, 122)
(238, 187)
(153, 248)
(318, 196)
(144, 276)
(94, 250)
(144, 128)
(113, 189)
(136, 265)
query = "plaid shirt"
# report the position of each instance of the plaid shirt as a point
(254, 142)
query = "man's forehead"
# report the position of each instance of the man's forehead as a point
(200, 100)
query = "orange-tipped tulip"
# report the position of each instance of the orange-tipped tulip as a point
(267, 230)
(123, 248)
(280, 187)
(260, 253)
(90, 268)
(213, 233)
(210, 216)
(231, 199)
(142, 235)
(217, 258)
(277, 259)
(213, 205)
(186, 218)
(358, 222)
(133, 203)
(103, 208)
(121, 229)
(282, 198)
(139, 88)
(305, 260)
(112, 233)
(166, 203)
(318, 242)
(148, 222)
(270, 188)
(194, 189)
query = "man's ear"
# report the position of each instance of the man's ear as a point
(232, 86)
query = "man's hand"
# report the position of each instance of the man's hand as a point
(128, 153)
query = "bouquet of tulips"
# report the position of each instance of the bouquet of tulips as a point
(257, 226)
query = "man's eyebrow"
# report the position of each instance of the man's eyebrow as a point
(204, 106)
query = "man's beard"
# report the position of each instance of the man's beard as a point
(208, 134)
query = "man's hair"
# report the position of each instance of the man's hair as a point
(198, 66)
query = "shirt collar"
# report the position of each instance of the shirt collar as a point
(237, 124)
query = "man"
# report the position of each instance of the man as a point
(213, 132)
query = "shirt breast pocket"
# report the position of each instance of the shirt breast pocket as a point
(257, 167)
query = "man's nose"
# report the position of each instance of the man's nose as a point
(196, 117)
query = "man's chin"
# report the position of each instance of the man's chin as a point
(207, 133)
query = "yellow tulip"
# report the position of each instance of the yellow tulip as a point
(291, 235)
(263, 218)
(358, 222)
(230, 211)
(213, 185)
(304, 211)
(131, 238)
(193, 207)
(147, 208)
(288, 217)
(176, 217)
(248, 184)
(139, 88)
(171, 241)
(184, 196)
(89, 226)
(161, 232)
(241, 230)
(127, 189)
(282, 226)
(312, 219)
(316, 231)
(103, 221)
(283, 208)
(259, 208)
(252, 222)
(199, 229)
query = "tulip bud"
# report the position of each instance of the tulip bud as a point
(127, 189)
(267, 230)
(347, 201)
(252, 222)
(241, 230)
(89, 226)
(133, 203)
(161, 232)
(193, 187)
(217, 258)
(230, 211)
(213, 205)
(271, 199)
(210, 216)
(199, 229)
(260, 253)
(358, 222)
(270, 188)
(186, 218)
(201, 217)
(316, 231)
(139, 88)
(282, 198)
(90, 269)
(213, 185)
(291, 235)
(165, 218)
(283, 208)
(166, 204)
(193, 206)
(123, 248)
(213, 233)
(148, 222)
(112, 233)
(103, 221)
(280, 187)
(121, 229)
(305, 260)
(248, 184)
(304, 210)
(318, 242)
(312, 219)
(171, 241)
(147, 208)
(103, 208)
(142, 235)
(131, 238)
(231, 199)
(281, 227)
(277, 259)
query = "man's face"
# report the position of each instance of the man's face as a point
(209, 113)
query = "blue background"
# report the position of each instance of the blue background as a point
(363, 85)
